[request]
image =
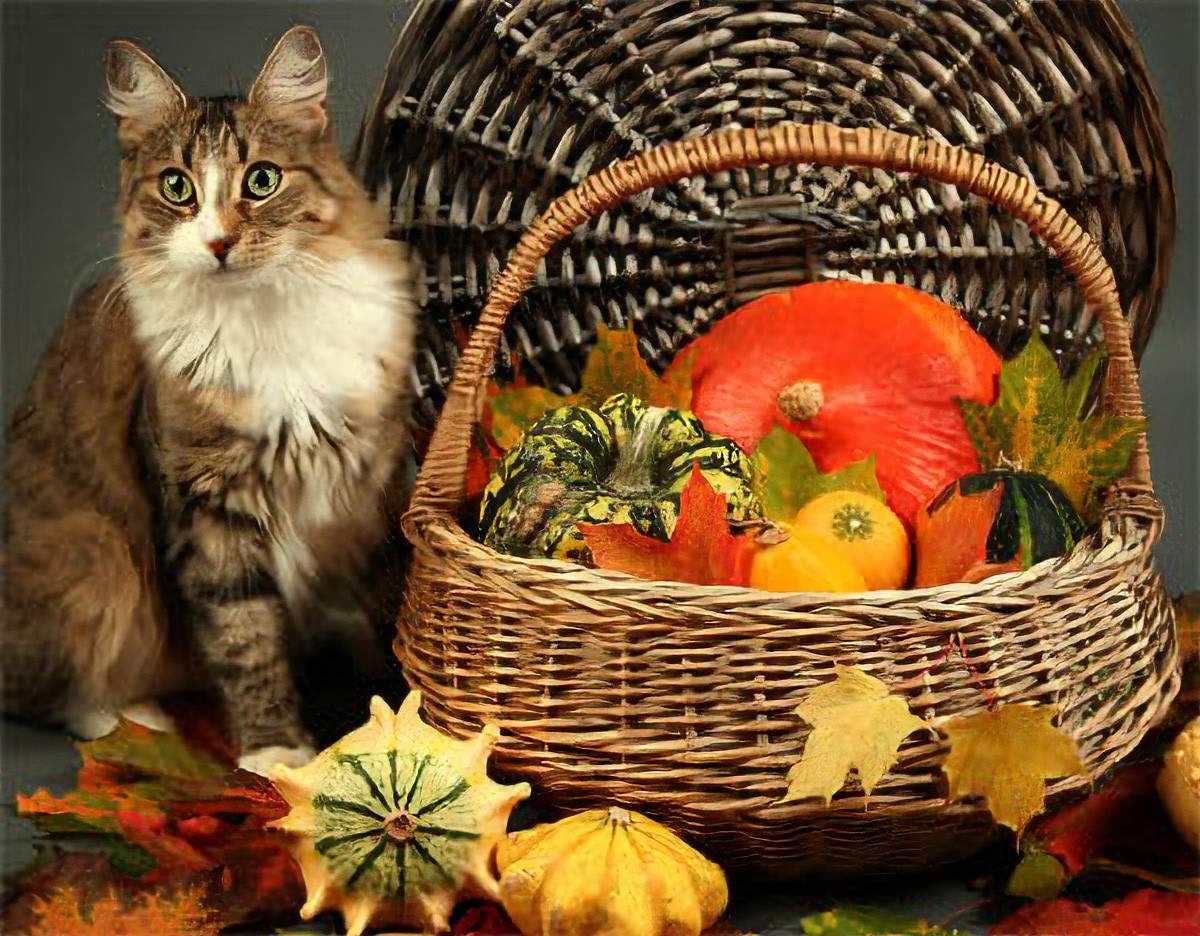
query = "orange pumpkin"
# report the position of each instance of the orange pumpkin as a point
(865, 531)
(804, 562)
(850, 369)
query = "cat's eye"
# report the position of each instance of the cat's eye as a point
(262, 179)
(176, 187)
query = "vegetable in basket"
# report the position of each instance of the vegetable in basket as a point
(622, 463)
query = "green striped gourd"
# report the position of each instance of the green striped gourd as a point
(992, 522)
(624, 462)
(396, 821)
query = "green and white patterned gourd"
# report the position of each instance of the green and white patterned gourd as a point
(625, 462)
(396, 821)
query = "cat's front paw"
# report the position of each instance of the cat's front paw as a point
(261, 760)
(90, 724)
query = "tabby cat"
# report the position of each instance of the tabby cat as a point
(204, 472)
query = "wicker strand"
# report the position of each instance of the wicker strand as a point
(441, 482)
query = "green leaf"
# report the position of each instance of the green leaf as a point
(868, 921)
(1035, 425)
(1039, 875)
(615, 365)
(787, 478)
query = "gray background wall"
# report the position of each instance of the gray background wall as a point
(59, 171)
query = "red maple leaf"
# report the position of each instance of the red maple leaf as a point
(702, 550)
(1123, 819)
(1144, 911)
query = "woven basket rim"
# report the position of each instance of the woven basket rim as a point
(571, 575)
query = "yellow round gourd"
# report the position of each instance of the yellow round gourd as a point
(1179, 783)
(804, 562)
(864, 530)
(608, 872)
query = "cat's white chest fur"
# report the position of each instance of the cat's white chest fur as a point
(309, 353)
(300, 346)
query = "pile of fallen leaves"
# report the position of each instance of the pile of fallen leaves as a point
(160, 835)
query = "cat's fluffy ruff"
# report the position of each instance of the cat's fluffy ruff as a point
(309, 349)
(207, 464)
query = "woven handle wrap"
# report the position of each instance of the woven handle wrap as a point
(440, 485)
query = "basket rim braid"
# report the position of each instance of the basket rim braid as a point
(677, 699)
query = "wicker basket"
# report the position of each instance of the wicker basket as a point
(677, 699)
(491, 108)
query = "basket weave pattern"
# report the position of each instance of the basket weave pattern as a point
(490, 108)
(677, 699)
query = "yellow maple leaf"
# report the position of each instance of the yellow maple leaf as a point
(614, 365)
(1006, 755)
(856, 723)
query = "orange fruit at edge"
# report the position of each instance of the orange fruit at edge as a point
(865, 531)
(804, 562)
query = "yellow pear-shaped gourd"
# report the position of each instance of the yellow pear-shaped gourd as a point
(396, 821)
(608, 872)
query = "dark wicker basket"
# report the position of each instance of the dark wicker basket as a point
(677, 700)
(491, 108)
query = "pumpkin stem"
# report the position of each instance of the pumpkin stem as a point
(617, 814)
(802, 400)
(400, 826)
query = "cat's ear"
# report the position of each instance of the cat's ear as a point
(294, 80)
(139, 91)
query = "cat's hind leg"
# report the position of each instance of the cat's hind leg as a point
(84, 630)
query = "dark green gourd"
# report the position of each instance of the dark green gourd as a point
(625, 462)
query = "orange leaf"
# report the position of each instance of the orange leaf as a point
(701, 551)
(68, 912)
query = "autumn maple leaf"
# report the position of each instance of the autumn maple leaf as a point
(1038, 425)
(70, 912)
(702, 549)
(167, 807)
(614, 366)
(786, 477)
(1006, 755)
(1143, 911)
(857, 724)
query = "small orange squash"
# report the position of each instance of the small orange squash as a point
(865, 531)
(804, 562)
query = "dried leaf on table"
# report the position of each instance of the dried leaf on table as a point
(1006, 755)
(786, 477)
(615, 365)
(1037, 425)
(167, 808)
(1039, 875)
(1142, 912)
(868, 921)
(702, 549)
(69, 911)
(856, 724)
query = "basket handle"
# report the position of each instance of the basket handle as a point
(440, 485)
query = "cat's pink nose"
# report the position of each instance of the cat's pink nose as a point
(221, 246)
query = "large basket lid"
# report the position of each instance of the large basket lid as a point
(490, 108)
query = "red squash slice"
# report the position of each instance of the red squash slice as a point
(852, 369)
